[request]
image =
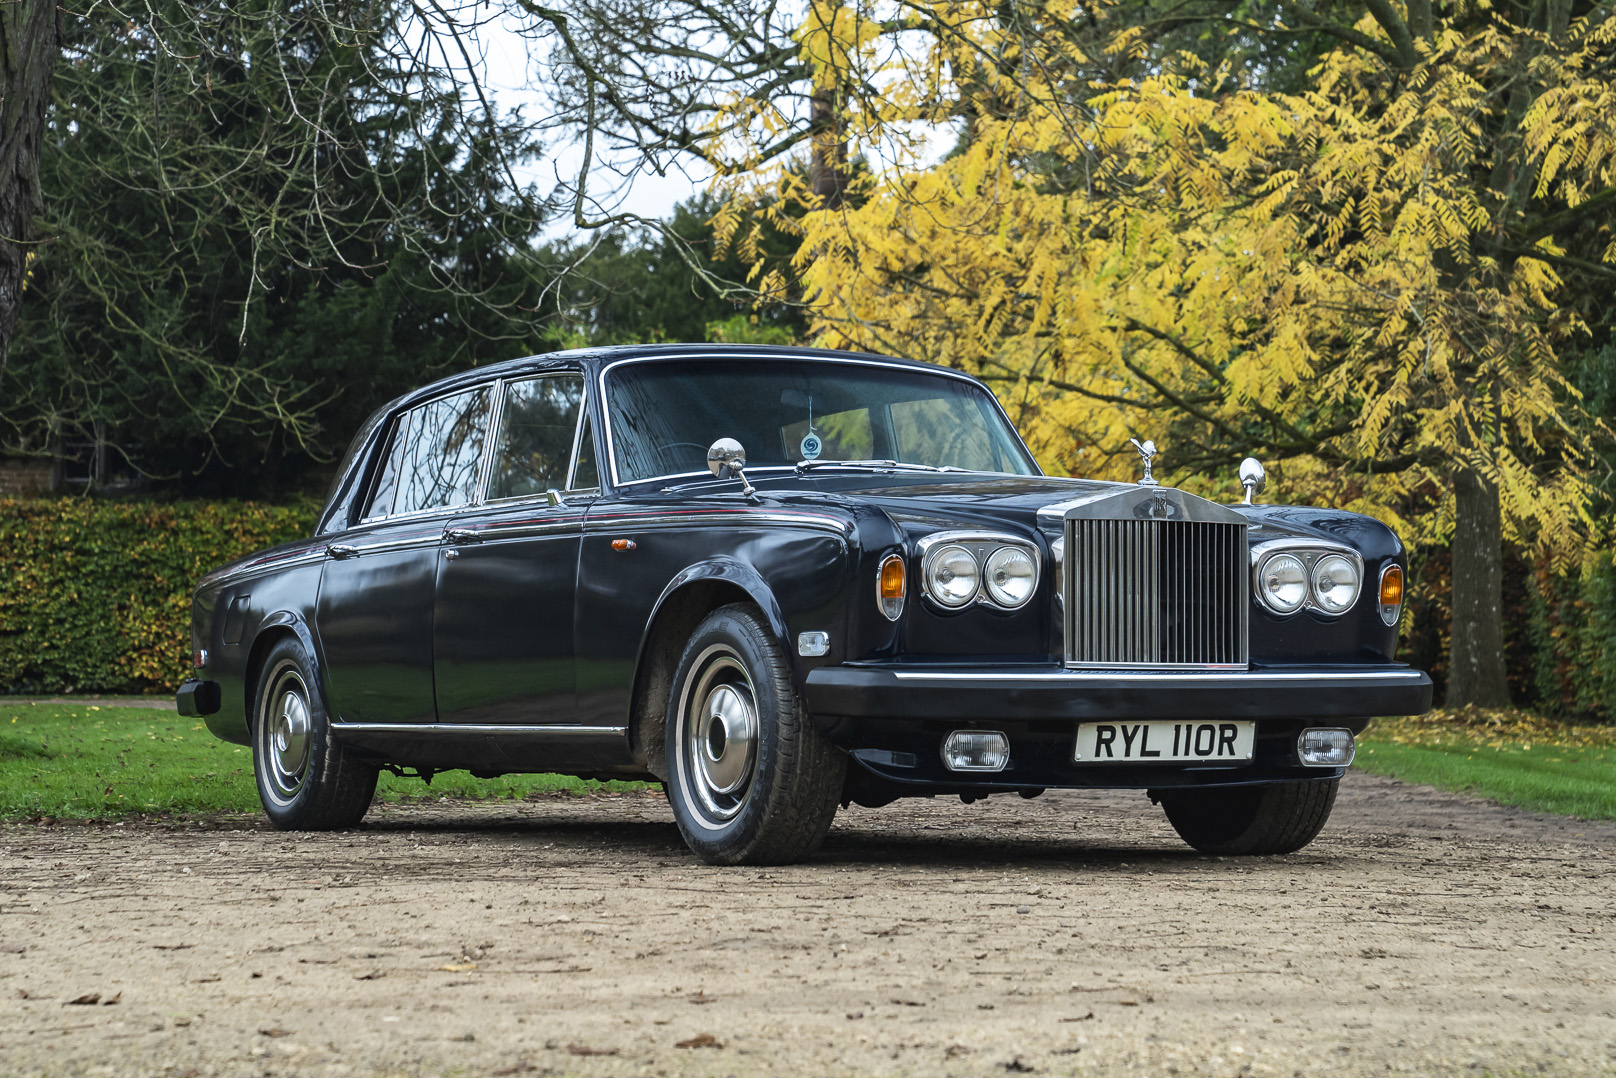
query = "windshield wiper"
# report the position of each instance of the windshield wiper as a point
(878, 465)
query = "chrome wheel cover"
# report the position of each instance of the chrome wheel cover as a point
(283, 735)
(718, 736)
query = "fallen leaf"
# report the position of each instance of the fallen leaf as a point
(1086, 1018)
(276, 1032)
(700, 1040)
(1127, 1003)
(701, 997)
(462, 968)
(206, 980)
(172, 946)
(373, 975)
(585, 1050)
(22, 993)
(86, 1000)
(110, 1002)
(907, 1003)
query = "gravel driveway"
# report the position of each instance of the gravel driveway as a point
(1423, 933)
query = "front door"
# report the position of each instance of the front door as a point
(375, 612)
(503, 626)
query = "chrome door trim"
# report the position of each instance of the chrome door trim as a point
(481, 728)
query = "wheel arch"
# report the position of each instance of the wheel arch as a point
(273, 629)
(690, 596)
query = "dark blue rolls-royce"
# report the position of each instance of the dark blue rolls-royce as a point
(780, 580)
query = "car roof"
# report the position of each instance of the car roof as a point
(595, 358)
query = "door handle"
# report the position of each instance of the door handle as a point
(342, 550)
(462, 535)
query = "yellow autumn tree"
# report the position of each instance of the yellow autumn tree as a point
(1360, 282)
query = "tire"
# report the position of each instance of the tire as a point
(751, 780)
(1251, 820)
(307, 781)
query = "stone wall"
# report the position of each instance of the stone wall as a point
(23, 477)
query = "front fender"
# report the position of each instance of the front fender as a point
(722, 570)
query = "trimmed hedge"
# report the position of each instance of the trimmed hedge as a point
(95, 596)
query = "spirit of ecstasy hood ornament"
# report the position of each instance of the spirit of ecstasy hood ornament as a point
(1147, 451)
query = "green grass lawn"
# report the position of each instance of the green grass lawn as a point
(78, 761)
(1511, 757)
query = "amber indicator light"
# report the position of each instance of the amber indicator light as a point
(892, 577)
(622, 544)
(1391, 587)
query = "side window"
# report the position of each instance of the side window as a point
(585, 476)
(535, 435)
(386, 489)
(442, 451)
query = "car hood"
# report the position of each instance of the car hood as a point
(925, 501)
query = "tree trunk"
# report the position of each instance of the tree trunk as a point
(1476, 643)
(827, 167)
(30, 37)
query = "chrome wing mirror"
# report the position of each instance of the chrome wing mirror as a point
(1252, 477)
(727, 460)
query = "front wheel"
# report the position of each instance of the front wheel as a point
(307, 781)
(751, 779)
(1251, 820)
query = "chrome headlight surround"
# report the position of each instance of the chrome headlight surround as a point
(1311, 553)
(982, 548)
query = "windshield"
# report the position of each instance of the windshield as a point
(664, 415)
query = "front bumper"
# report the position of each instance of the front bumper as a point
(1007, 693)
(892, 718)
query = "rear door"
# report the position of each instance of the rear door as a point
(503, 640)
(377, 587)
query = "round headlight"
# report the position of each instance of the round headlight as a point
(1335, 583)
(951, 576)
(1282, 583)
(1011, 576)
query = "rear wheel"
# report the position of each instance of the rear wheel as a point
(1249, 820)
(307, 781)
(751, 780)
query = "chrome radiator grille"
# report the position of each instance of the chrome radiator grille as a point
(1156, 593)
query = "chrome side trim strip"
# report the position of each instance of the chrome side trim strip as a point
(1246, 678)
(466, 728)
(716, 518)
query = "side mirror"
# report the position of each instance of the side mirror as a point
(1252, 477)
(727, 460)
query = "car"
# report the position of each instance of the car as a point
(783, 580)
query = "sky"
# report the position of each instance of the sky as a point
(508, 78)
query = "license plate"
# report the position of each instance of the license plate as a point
(1165, 742)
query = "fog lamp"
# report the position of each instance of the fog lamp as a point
(976, 750)
(1321, 747)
